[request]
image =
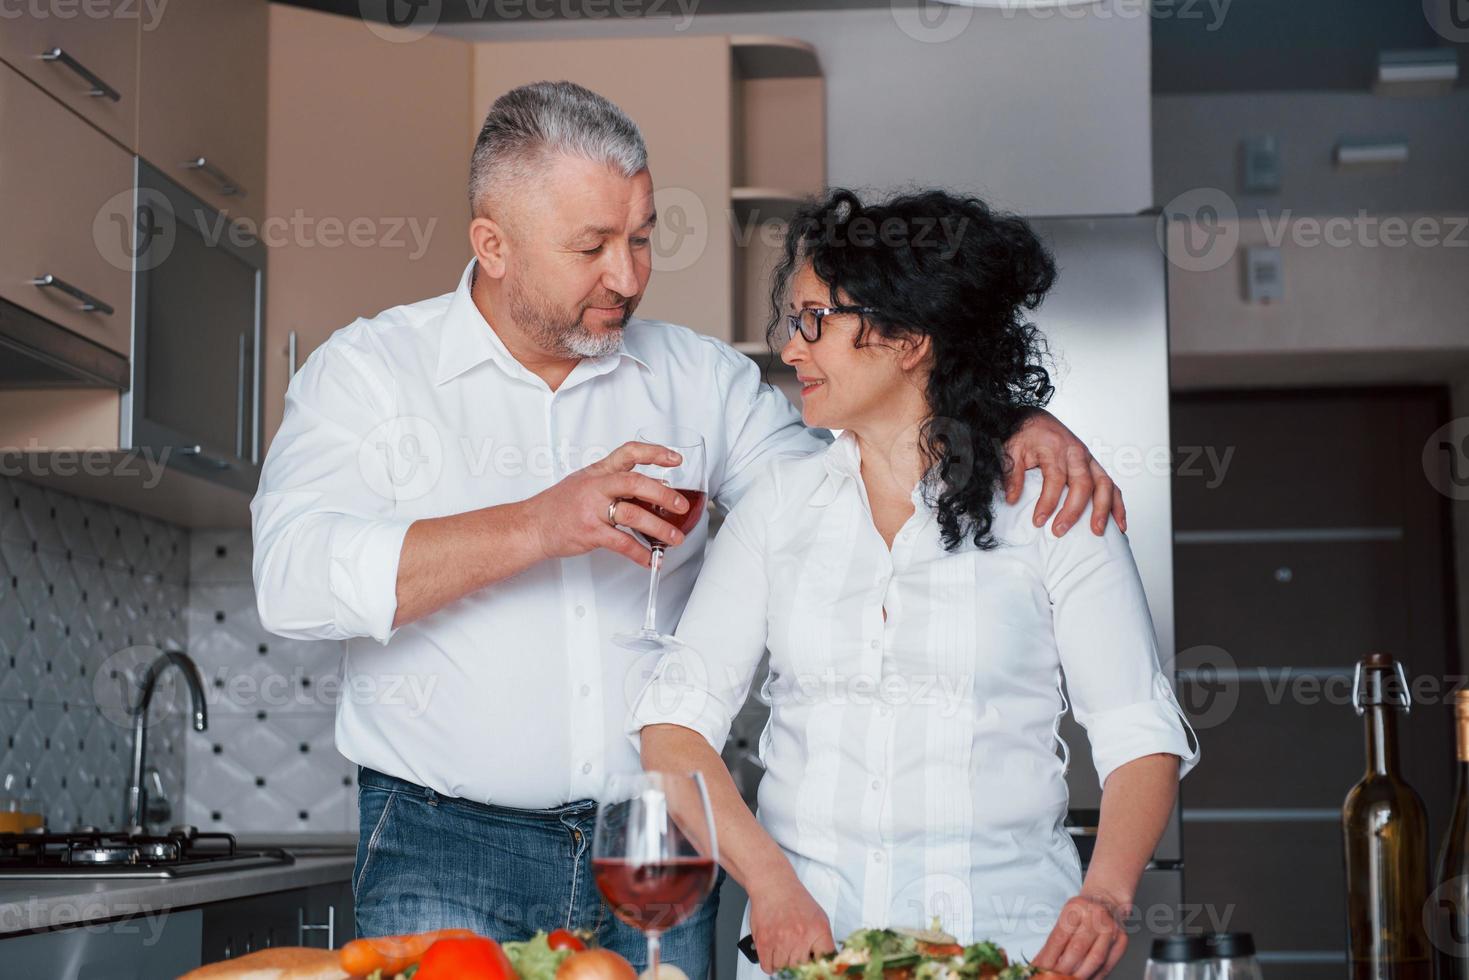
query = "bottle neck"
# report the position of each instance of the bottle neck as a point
(1381, 726)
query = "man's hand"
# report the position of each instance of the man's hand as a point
(1065, 462)
(1087, 940)
(788, 926)
(570, 518)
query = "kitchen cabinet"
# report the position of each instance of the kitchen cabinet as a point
(160, 943)
(87, 59)
(202, 101)
(368, 157)
(66, 194)
(320, 916)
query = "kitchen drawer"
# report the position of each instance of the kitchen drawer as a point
(60, 182)
(202, 85)
(97, 38)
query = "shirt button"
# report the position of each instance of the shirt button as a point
(586, 689)
(877, 857)
(877, 784)
(581, 612)
(884, 711)
(874, 644)
(586, 767)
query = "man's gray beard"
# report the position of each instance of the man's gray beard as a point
(552, 334)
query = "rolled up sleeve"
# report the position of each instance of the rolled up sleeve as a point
(1109, 651)
(327, 541)
(703, 680)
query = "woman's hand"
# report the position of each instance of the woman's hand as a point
(1088, 939)
(788, 926)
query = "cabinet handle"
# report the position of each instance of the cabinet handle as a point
(90, 303)
(329, 927)
(228, 187)
(291, 354)
(240, 401)
(100, 89)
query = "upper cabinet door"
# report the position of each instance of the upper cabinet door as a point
(88, 59)
(202, 84)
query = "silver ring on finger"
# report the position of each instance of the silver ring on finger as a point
(612, 512)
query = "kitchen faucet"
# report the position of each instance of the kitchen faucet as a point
(137, 795)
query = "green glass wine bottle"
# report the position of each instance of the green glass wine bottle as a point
(1449, 904)
(1385, 832)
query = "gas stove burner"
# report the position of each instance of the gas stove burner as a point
(127, 853)
(102, 855)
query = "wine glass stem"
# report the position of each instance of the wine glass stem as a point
(653, 950)
(650, 617)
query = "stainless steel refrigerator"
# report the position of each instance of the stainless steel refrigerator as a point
(1106, 321)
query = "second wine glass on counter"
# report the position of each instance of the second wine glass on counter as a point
(654, 854)
(690, 477)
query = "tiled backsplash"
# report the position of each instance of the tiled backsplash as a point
(88, 595)
(268, 762)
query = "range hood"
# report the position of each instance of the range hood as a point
(36, 353)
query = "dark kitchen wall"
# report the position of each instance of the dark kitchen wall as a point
(89, 593)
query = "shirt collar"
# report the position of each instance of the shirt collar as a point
(466, 340)
(843, 461)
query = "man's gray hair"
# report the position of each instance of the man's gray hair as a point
(529, 123)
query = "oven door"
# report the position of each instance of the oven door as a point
(199, 291)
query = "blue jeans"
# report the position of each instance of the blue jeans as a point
(426, 861)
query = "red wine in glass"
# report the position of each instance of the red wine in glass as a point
(656, 895)
(653, 853)
(690, 477)
(685, 522)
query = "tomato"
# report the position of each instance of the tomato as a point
(940, 949)
(465, 959)
(565, 939)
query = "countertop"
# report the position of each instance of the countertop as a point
(26, 906)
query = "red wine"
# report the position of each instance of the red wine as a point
(684, 522)
(654, 896)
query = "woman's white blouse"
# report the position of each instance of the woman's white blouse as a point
(913, 765)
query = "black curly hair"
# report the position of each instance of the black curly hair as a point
(948, 268)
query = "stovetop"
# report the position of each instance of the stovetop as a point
(92, 853)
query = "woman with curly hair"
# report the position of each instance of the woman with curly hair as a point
(921, 628)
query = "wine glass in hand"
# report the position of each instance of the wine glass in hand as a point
(690, 477)
(653, 853)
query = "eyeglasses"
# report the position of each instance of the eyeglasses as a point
(808, 321)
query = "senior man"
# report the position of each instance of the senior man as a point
(443, 494)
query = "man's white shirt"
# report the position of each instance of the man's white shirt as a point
(516, 693)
